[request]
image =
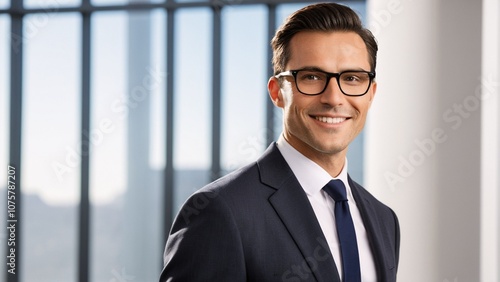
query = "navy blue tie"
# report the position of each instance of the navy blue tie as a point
(345, 230)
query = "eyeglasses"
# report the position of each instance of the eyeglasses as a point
(314, 82)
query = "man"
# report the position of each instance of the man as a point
(277, 219)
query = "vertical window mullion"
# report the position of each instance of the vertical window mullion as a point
(271, 26)
(84, 231)
(216, 94)
(169, 133)
(15, 138)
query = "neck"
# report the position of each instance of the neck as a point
(331, 162)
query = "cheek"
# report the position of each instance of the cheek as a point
(287, 92)
(362, 110)
(287, 97)
(296, 105)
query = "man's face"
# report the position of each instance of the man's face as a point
(323, 125)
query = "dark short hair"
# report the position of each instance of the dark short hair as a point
(320, 17)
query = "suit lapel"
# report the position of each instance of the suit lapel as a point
(294, 209)
(373, 229)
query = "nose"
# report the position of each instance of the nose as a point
(332, 95)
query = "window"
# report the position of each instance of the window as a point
(4, 4)
(50, 154)
(51, 5)
(244, 85)
(192, 95)
(127, 108)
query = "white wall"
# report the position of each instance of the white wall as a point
(424, 136)
(490, 145)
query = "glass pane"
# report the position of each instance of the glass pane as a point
(186, 1)
(4, 124)
(108, 165)
(128, 89)
(4, 4)
(193, 80)
(51, 6)
(109, 2)
(284, 10)
(157, 141)
(122, 2)
(244, 84)
(359, 7)
(51, 150)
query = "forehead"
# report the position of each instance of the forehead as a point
(330, 51)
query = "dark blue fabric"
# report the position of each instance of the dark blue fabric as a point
(257, 225)
(345, 230)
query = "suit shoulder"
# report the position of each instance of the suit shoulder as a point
(244, 176)
(240, 187)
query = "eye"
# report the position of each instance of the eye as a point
(350, 77)
(354, 77)
(310, 76)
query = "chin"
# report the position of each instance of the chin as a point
(328, 149)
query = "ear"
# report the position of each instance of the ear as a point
(274, 89)
(373, 91)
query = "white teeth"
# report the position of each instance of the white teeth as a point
(331, 120)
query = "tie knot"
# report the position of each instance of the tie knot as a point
(336, 189)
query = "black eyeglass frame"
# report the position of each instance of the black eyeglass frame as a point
(329, 75)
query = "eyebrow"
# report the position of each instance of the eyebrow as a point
(315, 68)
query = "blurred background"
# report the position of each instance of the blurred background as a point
(113, 112)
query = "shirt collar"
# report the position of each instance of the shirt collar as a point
(310, 175)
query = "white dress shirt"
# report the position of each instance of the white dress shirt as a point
(313, 178)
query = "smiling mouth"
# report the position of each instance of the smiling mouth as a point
(331, 120)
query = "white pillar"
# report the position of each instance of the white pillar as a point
(423, 142)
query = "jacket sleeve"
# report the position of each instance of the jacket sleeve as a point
(397, 238)
(204, 243)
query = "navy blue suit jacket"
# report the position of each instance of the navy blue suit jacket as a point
(256, 224)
